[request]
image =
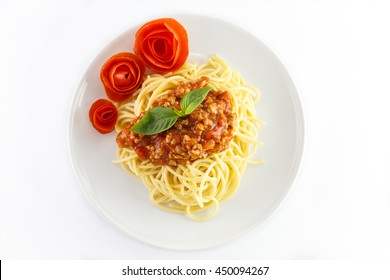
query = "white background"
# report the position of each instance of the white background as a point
(338, 54)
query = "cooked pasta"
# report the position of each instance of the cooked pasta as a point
(206, 182)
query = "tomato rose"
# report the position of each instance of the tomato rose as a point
(162, 44)
(122, 75)
(103, 115)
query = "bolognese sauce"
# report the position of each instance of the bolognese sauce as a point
(207, 130)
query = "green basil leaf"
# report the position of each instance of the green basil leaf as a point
(159, 119)
(156, 120)
(192, 99)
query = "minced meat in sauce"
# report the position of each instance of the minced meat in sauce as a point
(208, 129)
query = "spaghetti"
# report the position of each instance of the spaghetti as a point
(206, 182)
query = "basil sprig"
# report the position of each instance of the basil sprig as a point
(159, 119)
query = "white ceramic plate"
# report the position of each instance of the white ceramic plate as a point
(123, 200)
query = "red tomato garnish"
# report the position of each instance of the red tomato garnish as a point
(122, 75)
(103, 115)
(162, 44)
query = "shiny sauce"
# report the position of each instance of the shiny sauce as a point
(207, 130)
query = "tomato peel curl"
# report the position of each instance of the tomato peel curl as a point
(103, 116)
(122, 75)
(170, 34)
